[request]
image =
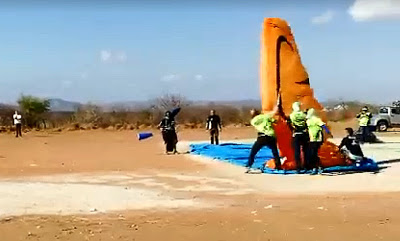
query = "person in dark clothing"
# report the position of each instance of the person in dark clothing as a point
(18, 130)
(351, 147)
(263, 123)
(167, 126)
(213, 125)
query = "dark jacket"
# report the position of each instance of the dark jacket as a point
(213, 122)
(352, 145)
(168, 122)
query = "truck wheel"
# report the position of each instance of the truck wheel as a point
(382, 126)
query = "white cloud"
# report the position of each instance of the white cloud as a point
(198, 77)
(84, 75)
(67, 84)
(105, 55)
(108, 56)
(364, 10)
(325, 17)
(170, 78)
(121, 56)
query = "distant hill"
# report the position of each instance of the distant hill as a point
(63, 105)
(135, 105)
(125, 105)
(60, 105)
(237, 103)
(57, 104)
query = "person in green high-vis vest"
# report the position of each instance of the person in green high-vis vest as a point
(263, 123)
(298, 123)
(315, 131)
(363, 120)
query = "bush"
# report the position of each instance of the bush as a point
(33, 109)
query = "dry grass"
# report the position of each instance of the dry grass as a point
(191, 116)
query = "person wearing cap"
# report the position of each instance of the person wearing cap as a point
(213, 125)
(263, 123)
(298, 123)
(351, 148)
(315, 130)
(17, 120)
(363, 120)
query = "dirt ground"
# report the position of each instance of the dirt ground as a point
(361, 217)
(106, 185)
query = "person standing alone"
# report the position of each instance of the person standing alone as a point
(213, 125)
(167, 126)
(363, 120)
(18, 124)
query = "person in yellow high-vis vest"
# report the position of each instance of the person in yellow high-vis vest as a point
(263, 123)
(363, 120)
(315, 130)
(298, 122)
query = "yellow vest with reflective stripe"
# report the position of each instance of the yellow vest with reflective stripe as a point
(299, 121)
(363, 120)
(315, 128)
(263, 124)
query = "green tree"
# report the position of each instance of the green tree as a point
(33, 109)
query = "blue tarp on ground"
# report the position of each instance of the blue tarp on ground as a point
(238, 154)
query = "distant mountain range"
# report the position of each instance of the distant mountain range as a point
(60, 105)
(63, 105)
(57, 104)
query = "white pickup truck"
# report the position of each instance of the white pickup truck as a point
(388, 117)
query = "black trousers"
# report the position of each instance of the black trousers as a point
(214, 133)
(364, 133)
(314, 161)
(18, 130)
(269, 142)
(170, 140)
(300, 142)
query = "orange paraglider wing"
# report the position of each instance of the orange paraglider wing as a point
(282, 72)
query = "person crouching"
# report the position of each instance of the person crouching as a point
(350, 147)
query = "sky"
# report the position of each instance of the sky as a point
(106, 51)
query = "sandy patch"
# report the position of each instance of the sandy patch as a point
(26, 198)
(108, 192)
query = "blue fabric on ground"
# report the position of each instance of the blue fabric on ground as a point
(238, 154)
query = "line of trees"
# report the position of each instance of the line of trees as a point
(36, 114)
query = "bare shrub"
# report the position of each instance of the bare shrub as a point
(6, 113)
(58, 119)
(170, 101)
(192, 115)
(88, 114)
